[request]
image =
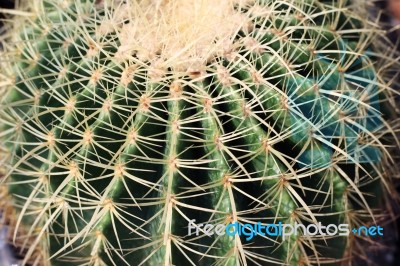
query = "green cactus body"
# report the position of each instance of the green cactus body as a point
(126, 122)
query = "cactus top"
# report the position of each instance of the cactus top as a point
(185, 34)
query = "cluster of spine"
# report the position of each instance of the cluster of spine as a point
(109, 157)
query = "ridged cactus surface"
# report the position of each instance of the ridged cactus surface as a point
(129, 125)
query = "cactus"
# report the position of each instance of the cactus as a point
(129, 125)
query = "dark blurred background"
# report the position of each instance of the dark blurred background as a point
(388, 12)
(5, 4)
(390, 19)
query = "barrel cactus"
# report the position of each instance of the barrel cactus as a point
(137, 132)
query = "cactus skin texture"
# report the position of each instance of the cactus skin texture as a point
(122, 121)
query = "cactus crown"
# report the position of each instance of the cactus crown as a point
(181, 34)
(125, 121)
